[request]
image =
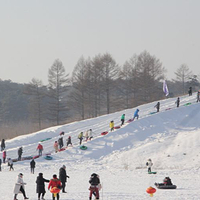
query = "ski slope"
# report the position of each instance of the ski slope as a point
(170, 138)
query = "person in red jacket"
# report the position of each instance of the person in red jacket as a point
(55, 182)
(40, 149)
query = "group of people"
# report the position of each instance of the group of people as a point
(88, 136)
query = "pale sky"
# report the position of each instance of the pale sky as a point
(33, 33)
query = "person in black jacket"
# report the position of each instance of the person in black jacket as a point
(177, 102)
(32, 165)
(20, 151)
(0, 163)
(157, 106)
(94, 185)
(40, 186)
(3, 146)
(63, 177)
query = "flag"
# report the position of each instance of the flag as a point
(165, 88)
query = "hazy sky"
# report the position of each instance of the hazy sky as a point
(33, 33)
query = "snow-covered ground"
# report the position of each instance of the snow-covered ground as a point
(171, 138)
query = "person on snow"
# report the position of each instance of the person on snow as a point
(3, 146)
(10, 164)
(56, 146)
(136, 115)
(198, 96)
(40, 149)
(63, 177)
(20, 151)
(0, 163)
(19, 187)
(94, 186)
(90, 134)
(60, 142)
(111, 125)
(40, 186)
(32, 165)
(86, 135)
(122, 119)
(69, 141)
(4, 156)
(166, 181)
(149, 164)
(190, 91)
(177, 102)
(157, 106)
(55, 182)
(80, 137)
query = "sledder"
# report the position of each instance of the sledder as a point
(167, 184)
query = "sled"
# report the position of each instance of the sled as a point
(62, 149)
(187, 104)
(48, 157)
(130, 120)
(117, 127)
(161, 186)
(27, 158)
(34, 157)
(151, 113)
(168, 108)
(15, 160)
(45, 139)
(152, 172)
(83, 147)
(104, 133)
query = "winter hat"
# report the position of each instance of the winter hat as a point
(64, 166)
(54, 176)
(20, 174)
(40, 174)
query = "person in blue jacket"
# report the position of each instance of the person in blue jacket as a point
(136, 114)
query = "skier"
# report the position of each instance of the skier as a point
(90, 134)
(56, 146)
(10, 164)
(149, 164)
(55, 182)
(63, 177)
(177, 102)
(40, 186)
(122, 119)
(198, 96)
(19, 187)
(32, 165)
(94, 189)
(69, 141)
(40, 149)
(4, 156)
(0, 163)
(60, 142)
(3, 146)
(20, 151)
(190, 91)
(80, 137)
(136, 114)
(111, 125)
(157, 106)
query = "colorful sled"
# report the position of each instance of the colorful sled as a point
(130, 120)
(83, 147)
(104, 133)
(45, 139)
(48, 157)
(187, 104)
(152, 172)
(34, 157)
(54, 191)
(27, 158)
(117, 127)
(62, 149)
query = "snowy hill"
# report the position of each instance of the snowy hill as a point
(170, 138)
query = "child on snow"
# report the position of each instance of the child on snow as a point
(136, 115)
(56, 146)
(55, 182)
(80, 137)
(69, 141)
(10, 164)
(94, 186)
(122, 119)
(112, 125)
(149, 164)
(166, 181)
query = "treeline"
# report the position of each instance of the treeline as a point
(97, 86)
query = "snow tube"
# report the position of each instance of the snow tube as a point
(104, 133)
(117, 127)
(48, 157)
(62, 149)
(187, 104)
(165, 186)
(34, 157)
(45, 139)
(83, 147)
(54, 191)
(151, 113)
(152, 172)
(130, 120)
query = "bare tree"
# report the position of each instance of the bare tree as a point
(183, 75)
(58, 82)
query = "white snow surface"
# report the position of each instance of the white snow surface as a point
(171, 138)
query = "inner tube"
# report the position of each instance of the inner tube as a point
(55, 190)
(166, 186)
(45, 139)
(117, 127)
(83, 147)
(104, 133)
(48, 157)
(187, 104)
